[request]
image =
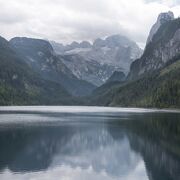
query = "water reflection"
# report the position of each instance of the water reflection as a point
(75, 147)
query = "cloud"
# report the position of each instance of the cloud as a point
(170, 3)
(68, 20)
(11, 14)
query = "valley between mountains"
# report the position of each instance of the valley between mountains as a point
(111, 71)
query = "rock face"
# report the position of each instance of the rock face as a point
(40, 55)
(117, 77)
(21, 85)
(115, 53)
(164, 46)
(162, 18)
(90, 71)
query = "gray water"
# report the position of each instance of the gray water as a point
(89, 143)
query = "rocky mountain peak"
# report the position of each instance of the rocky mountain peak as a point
(117, 40)
(96, 62)
(3, 43)
(74, 44)
(85, 44)
(38, 45)
(162, 18)
(167, 16)
(113, 41)
(164, 47)
(98, 43)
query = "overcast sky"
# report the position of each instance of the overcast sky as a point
(68, 20)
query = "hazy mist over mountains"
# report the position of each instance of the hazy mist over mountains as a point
(65, 21)
(96, 62)
(90, 89)
(93, 68)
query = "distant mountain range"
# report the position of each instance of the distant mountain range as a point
(96, 62)
(110, 72)
(40, 56)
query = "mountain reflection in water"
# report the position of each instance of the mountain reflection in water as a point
(125, 146)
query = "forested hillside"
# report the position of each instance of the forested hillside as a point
(20, 85)
(159, 89)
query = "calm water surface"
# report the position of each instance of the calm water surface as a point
(89, 143)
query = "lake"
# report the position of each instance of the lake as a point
(89, 143)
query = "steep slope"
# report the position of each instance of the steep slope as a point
(40, 56)
(165, 45)
(117, 76)
(19, 84)
(116, 50)
(91, 71)
(162, 18)
(158, 89)
(115, 53)
(154, 78)
(117, 79)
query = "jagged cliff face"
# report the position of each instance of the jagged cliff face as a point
(21, 85)
(162, 18)
(115, 50)
(90, 71)
(40, 55)
(117, 76)
(164, 46)
(104, 56)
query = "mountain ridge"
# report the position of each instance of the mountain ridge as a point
(153, 80)
(32, 73)
(165, 46)
(40, 55)
(20, 85)
(114, 53)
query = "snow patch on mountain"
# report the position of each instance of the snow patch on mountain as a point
(96, 62)
(77, 50)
